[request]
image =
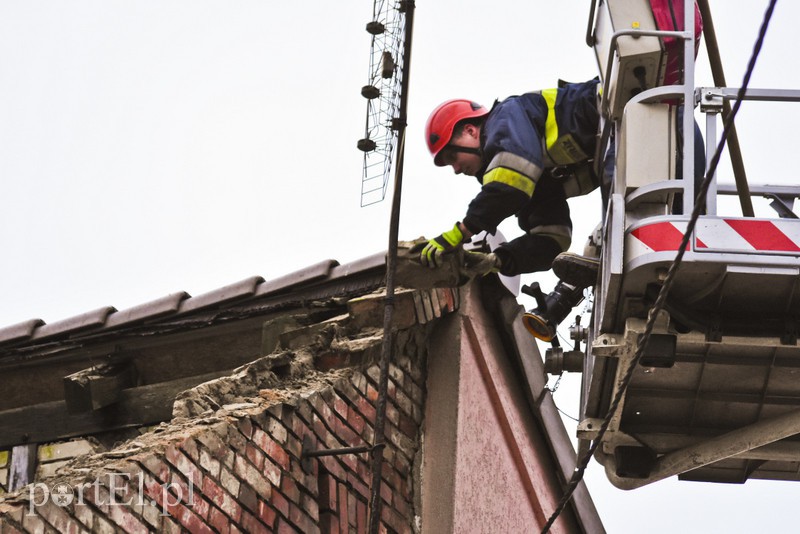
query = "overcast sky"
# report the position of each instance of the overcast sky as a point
(152, 147)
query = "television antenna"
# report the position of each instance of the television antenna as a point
(383, 93)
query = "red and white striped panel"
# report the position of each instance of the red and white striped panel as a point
(768, 236)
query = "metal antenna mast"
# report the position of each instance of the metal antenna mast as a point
(387, 73)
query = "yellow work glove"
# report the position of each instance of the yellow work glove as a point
(431, 255)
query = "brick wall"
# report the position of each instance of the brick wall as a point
(239, 469)
(230, 460)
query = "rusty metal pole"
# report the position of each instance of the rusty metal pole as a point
(375, 503)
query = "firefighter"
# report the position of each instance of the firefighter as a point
(529, 153)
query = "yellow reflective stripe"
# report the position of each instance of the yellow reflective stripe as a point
(550, 125)
(562, 150)
(510, 178)
(516, 163)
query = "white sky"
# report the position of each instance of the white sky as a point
(152, 147)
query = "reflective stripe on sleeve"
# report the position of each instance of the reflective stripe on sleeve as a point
(515, 163)
(510, 178)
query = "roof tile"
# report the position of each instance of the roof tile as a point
(19, 331)
(314, 272)
(90, 319)
(155, 308)
(237, 290)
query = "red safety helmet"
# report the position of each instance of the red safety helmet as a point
(442, 121)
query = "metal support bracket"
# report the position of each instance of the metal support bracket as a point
(307, 452)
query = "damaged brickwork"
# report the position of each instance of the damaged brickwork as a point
(230, 460)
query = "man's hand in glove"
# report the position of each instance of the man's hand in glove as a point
(431, 255)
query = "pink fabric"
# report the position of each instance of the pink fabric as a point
(663, 15)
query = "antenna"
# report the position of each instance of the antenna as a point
(383, 94)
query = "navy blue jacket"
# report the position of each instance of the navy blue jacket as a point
(529, 137)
